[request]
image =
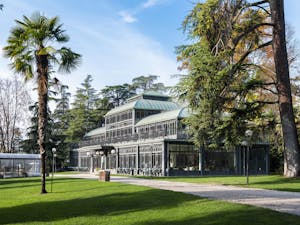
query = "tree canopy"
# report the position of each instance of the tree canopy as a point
(229, 82)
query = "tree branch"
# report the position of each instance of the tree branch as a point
(249, 30)
(258, 3)
(245, 55)
(266, 102)
(267, 89)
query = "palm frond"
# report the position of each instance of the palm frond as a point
(69, 59)
(34, 36)
(46, 51)
(21, 66)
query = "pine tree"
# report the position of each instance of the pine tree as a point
(84, 115)
(61, 121)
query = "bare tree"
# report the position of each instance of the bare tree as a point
(14, 100)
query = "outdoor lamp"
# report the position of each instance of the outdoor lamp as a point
(53, 167)
(244, 143)
(248, 133)
(113, 151)
(101, 152)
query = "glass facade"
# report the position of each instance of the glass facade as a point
(183, 158)
(219, 162)
(257, 160)
(19, 165)
(111, 161)
(149, 138)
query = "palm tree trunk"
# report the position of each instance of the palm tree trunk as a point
(289, 131)
(42, 69)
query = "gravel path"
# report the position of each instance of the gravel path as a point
(282, 201)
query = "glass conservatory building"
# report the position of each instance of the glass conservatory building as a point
(19, 165)
(146, 136)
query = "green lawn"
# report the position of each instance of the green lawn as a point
(274, 182)
(67, 172)
(78, 201)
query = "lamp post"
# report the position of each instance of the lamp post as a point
(101, 153)
(53, 161)
(97, 160)
(247, 143)
(91, 155)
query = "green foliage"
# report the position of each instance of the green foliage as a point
(57, 124)
(223, 78)
(33, 37)
(117, 94)
(84, 115)
(30, 145)
(61, 120)
(147, 83)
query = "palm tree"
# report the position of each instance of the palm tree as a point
(32, 48)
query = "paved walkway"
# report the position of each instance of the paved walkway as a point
(282, 201)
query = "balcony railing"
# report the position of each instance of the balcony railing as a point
(181, 134)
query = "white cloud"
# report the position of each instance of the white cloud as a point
(149, 3)
(121, 53)
(127, 17)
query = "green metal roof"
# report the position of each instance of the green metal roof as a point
(97, 131)
(146, 104)
(149, 94)
(164, 116)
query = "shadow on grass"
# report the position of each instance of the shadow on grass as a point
(108, 205)
(230, 216)
(12, 183)
(24, 180)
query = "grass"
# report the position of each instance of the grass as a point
(79, 201)
(274, 182)
(68, 172)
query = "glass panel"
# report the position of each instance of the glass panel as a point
(157, 160)
(219, 162)
(183, 157)
(31, 167)
(6, 167)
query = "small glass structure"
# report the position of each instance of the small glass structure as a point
(19, 165)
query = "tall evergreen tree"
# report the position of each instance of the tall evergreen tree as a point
(61, 121)
(147, 83)
(30, 144)
(117, 94)
(84, 115)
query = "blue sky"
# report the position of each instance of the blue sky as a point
(118, 39)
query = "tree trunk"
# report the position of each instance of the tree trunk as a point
(289, 131)
(42, 69)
